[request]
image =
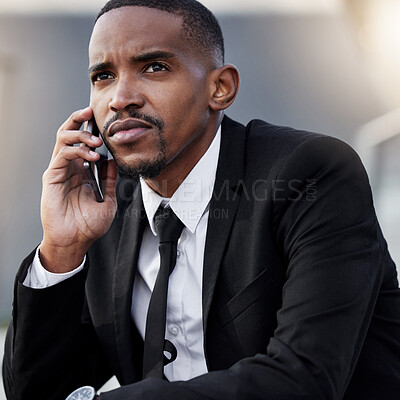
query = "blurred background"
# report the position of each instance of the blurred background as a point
(323, 65)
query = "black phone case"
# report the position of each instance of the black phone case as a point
(93, 168)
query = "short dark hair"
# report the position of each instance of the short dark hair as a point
(199, 25)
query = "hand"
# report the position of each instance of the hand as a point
(72, 219)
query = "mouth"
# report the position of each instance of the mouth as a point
(128, 130)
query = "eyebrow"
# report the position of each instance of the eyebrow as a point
(145, 57)
(152, 55)
(99, 67)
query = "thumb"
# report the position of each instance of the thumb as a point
(108, 173)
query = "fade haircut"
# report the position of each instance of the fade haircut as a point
(199, 26)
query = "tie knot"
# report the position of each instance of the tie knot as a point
(168, 226)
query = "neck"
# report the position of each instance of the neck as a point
(175, 172)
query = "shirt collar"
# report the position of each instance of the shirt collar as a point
(191, 199)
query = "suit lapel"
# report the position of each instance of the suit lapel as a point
(223, 206)
(126, 264)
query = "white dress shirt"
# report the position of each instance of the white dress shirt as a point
(184, 321)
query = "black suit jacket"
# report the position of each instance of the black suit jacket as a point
(300, 296)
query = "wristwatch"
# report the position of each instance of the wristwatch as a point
(83, 393)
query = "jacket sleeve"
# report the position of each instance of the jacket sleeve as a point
(50, 349)
(327, 230)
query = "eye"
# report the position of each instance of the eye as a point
(102, 76)
(155, 67)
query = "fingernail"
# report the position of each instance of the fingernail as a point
(92, 153)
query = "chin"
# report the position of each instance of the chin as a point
(145, 169)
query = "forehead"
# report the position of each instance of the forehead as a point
(135, 30)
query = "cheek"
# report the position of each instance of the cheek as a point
(188, 101)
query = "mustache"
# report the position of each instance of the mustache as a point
(157, 122)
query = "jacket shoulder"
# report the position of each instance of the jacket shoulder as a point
(273, 146)
(283, 139)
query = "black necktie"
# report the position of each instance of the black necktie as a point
(168, 228)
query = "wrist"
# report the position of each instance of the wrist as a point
(58, 259)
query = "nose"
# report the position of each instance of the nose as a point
(125, 94)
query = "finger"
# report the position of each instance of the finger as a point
(73, 123)
(68, 154)
(76, 119)
(69, 138)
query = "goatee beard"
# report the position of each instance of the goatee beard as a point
(146, 168)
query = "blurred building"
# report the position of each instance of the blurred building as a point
(317, 65)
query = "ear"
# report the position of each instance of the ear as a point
(224, 87)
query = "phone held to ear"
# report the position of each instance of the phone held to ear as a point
(93, 168)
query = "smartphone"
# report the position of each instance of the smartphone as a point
(93, 168)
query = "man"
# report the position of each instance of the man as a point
(283, 287)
